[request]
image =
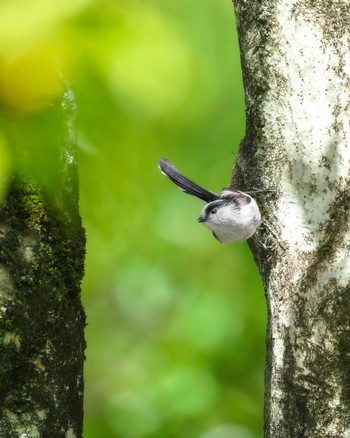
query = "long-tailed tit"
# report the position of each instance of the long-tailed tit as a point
(231, 216)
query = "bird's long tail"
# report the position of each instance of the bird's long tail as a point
(184, 183)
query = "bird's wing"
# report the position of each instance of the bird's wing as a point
(237, 198)
(188, 186)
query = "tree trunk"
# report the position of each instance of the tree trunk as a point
(42, 247)
(296, 69)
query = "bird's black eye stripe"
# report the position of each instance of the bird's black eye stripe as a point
(212, 206)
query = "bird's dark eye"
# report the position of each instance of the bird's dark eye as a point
(213, 211)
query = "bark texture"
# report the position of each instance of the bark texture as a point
(42, 248)
(296, 69)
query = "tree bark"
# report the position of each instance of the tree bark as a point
(296, 69)
(42, 248)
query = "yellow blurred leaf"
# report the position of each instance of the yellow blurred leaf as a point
(31, 78)
(24, 22)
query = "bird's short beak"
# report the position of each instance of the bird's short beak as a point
(201, 219)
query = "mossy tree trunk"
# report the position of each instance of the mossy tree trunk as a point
(42, 248)
(296, 70)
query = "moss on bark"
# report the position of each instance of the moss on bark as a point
(42, 250)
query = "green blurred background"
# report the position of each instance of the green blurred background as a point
(176, 320)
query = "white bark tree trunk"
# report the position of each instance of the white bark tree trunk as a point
(296, 69)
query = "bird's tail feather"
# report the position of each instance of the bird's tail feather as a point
(184, 183)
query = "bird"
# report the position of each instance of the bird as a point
(232, 215)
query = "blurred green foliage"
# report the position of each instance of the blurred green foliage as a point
(176, 320)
